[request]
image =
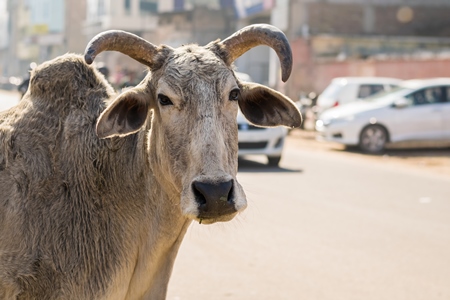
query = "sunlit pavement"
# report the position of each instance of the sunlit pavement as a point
(326, 225)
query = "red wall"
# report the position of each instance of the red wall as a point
(311, 75)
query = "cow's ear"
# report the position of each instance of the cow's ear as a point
(266, 107)
(125, 115)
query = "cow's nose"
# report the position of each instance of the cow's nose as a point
(214, 198)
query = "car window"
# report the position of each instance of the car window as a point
(427, 96)
(366, 90)
(447, 93)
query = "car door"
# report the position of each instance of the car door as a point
(422, 119)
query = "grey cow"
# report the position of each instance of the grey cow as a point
(97, 190)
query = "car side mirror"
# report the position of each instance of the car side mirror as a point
(401, 103)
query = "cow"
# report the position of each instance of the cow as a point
(97, 189)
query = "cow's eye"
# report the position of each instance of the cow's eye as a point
(164, 100)
(234, 95)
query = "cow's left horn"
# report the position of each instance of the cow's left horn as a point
(125, 42)
(260, 34)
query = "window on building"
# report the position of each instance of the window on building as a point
(148, 6)
(127, 5)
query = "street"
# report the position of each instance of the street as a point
(325, 226)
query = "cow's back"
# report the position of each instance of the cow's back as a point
(56, 182)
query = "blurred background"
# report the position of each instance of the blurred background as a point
(330, 38)
(327, 221)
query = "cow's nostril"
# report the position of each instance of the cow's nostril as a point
(201, 200)
(214, 197)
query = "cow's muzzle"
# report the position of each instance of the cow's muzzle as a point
(214, 199)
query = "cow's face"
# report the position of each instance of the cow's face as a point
(195, 96)
(195, 133)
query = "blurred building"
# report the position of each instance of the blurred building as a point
(35, 31)
(396, 38)
(4, 34)
(135, 16)
(203, 21)
(174, 23)
(39, 30)
(329, 38)
(75, 15)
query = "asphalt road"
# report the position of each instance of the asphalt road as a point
(325, 226)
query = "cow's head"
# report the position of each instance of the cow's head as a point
(194, 97)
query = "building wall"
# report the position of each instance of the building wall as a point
(130, 15)
(398, 38)
(397, 68)
(135, 16)
(75, 14)
(47, 16)
(4, 36)
(310, 74)
(40, 30)
(420, 19)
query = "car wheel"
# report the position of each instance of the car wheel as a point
(274, 160)
(373, 139)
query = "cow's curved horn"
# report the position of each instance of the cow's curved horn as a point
(260, 34)
(124, 42)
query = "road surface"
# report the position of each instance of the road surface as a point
(325, 226)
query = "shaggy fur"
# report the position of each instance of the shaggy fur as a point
(65, 212)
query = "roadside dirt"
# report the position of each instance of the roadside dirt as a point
(433, 160)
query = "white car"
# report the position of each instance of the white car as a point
(414, 114)
(260, 141)
(343, 90)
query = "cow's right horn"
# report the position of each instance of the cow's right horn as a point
(124, 42)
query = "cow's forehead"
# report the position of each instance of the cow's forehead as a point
(193, 62)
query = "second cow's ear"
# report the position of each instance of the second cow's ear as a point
(266, 107)
(125, 115)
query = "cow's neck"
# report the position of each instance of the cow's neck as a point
(160, 236)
